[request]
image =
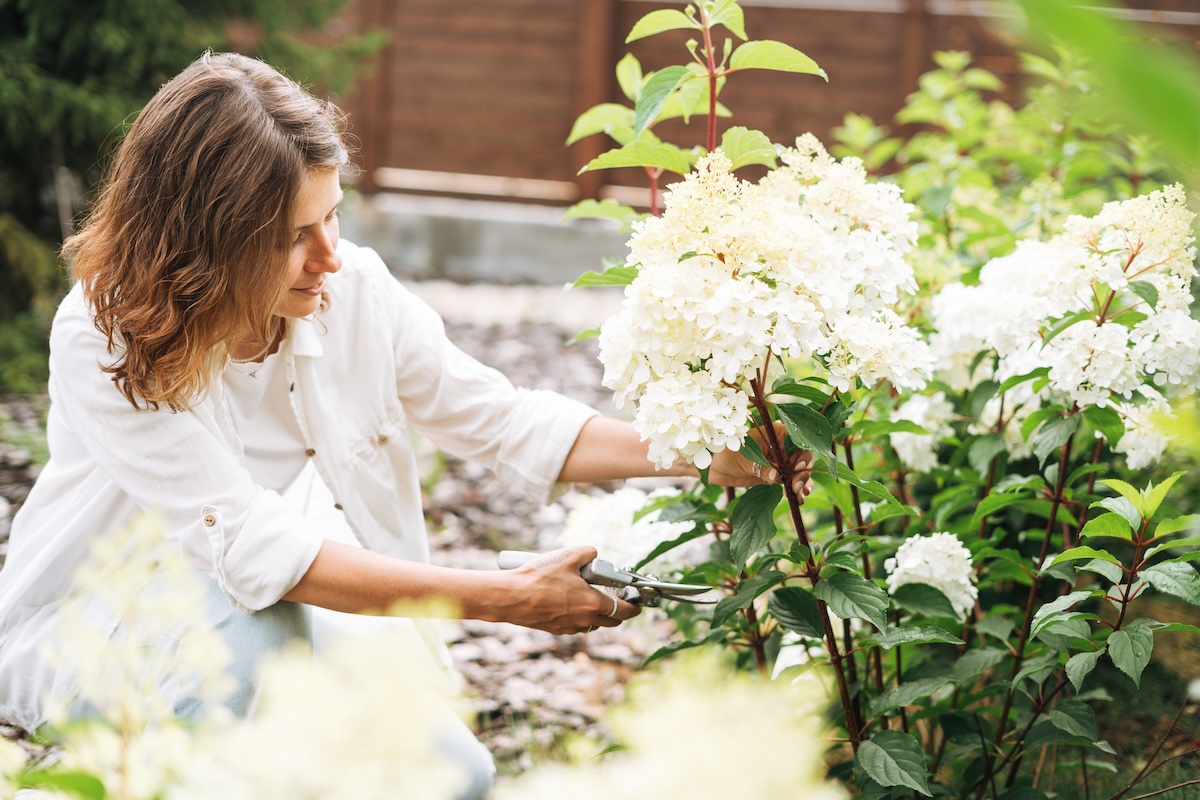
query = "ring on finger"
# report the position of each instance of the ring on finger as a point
(756, 469)
(590, 629)
(613, 613)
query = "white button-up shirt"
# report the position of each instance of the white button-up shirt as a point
(359, 375)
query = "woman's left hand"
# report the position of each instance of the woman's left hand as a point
(731, 468)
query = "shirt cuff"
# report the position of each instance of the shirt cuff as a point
(537, 444)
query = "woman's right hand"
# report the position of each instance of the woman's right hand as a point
(548, 593)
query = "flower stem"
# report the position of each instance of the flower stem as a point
(711, 143)
(1019, 657)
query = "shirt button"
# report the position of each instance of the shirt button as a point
(310, 452)
(210, 520)
(338, 506)
(383, 439)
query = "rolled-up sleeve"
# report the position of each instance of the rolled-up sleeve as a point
(474, 411)
(254, 544)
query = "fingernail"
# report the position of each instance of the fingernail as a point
(772, 475)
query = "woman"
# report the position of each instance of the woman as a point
(220, 339)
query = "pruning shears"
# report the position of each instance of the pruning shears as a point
(643, 590)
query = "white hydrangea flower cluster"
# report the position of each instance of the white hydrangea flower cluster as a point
(607, 523)
(939, 560)
(1020, 299)
(809, 262)
(662, 755)
(931, 412)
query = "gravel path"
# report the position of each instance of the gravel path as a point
(529, 689)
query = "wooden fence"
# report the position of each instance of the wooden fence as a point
(476, 97)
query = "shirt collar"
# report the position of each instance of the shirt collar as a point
(306, 338)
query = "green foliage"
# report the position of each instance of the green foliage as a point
(72, 73)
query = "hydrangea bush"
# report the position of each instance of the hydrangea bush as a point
(980, 349)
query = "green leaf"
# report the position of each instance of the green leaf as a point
(921, 598)
(853, 596)
(1174, 578)
(615, 276)
(77, 783)
(907, 693)
(913, 634)
(629, 78)
(1156, 494)
(600, 119)
(1113, 526)
(1123, 507)
(641, 153)
(655, 93)
(747, 592)
(1058, 605)
(1017, 380)
(796, 610)
(808, 429)
(1176, 524)
(686, 644)
(752, 450)
(1145, 290)
(1076, 553)
(768, 54)
(1053, 435)
(729, 14)
(1178, 627)
(993, 503)
(997, 626)
(743, 147)
(871, 428)
(1063, 323)
(754, 520)
(1076, 718)
(1080, 665)
(1130, 649)
(983, 450)
(1131, 494)
(894, 758)
(584, 335)
(1190, 545)
(974, 663)
(667, 19)
(1107, 421)
(599, 209)
(1111, 571)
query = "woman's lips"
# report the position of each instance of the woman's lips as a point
(311, 291)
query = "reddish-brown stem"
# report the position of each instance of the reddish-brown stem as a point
(756, 641)
(1035, 583)
(778, 458)
(710, 57)
(652, 175)
(876, 657)
(1147, 769)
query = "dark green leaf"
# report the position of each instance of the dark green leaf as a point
(747, 591)
(1053, 435)
(807, 427)
(983, 450)
(975, 662)
(1178, 579)
(997, 626)
(754, 520)
(1058, 605)
(1076, 553)
(655, 93)
(1145, 290)
(893, 758)
(980, 395)
(1130, 649)
(871, 428)
(796, 610)
(686, 644)
(1107, 421)
(913, 634)
(1062, 324)
(1017, 380)
(853, 596)
(1076, 718)
(1080, 665)
(921, 598)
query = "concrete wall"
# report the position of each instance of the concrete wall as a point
(439, 238)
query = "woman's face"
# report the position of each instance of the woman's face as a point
(314, 243)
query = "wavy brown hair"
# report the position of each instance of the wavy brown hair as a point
(184, 254)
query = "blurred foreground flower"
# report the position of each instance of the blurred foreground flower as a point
(364, 720)
(608, 523)
(940, 561)
(701, 731)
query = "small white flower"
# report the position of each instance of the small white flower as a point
(931, 412)
(939, 560)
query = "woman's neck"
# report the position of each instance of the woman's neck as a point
(257, 350)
